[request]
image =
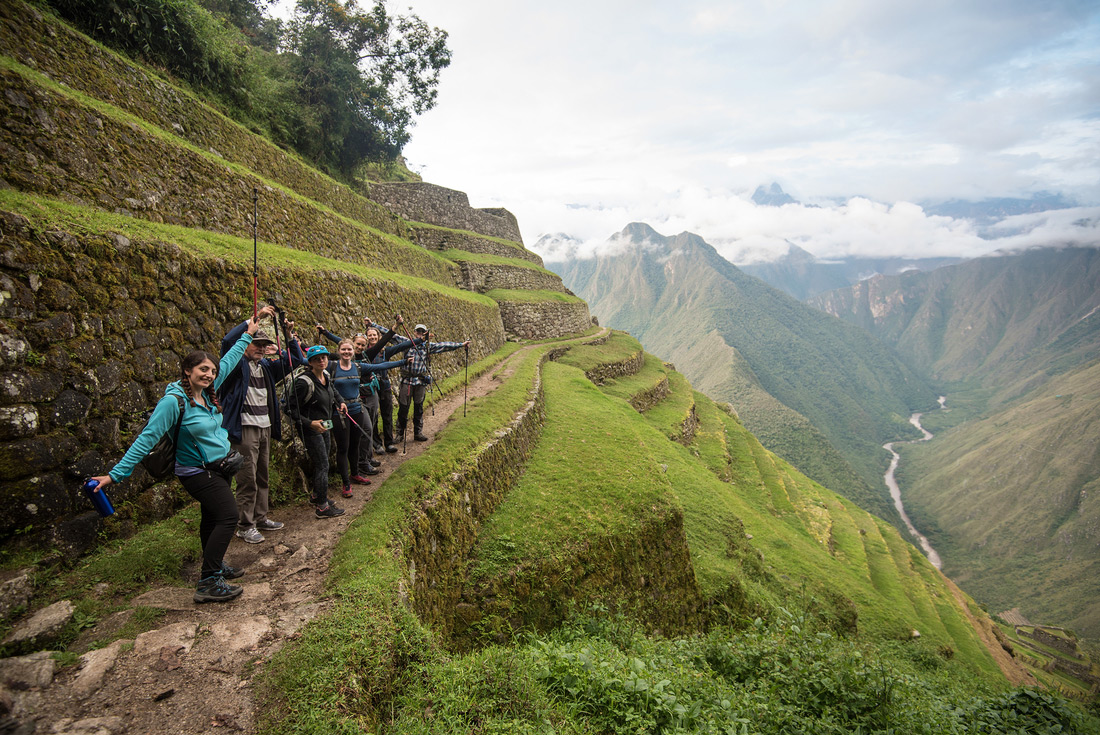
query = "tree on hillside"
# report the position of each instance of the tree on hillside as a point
(361, 78)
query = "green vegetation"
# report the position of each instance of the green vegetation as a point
(821, 394)
(104, 581)
(599, 673)
(338, 84)
(203, 243)
(506, 294)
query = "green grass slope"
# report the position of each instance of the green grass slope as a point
(819, 393)
(760, 534)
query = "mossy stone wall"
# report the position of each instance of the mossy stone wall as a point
(647, 573)
(630, 366)
(438, 205)
(434, 238)
(544, 319)
(53, 144)
(41, 42)
(482, 277)
(445, 527)
(92, 328)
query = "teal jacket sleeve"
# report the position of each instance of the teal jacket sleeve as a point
(163, 420)
(231, 359)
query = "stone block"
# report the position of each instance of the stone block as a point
(69, 407)
(15, 592)
(19, 421)
(34, 671)
(42, 627)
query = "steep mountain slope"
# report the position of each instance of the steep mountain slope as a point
(1006, 490)
(997, 317)
(784, 366)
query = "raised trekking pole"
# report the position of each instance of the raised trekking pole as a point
(466, 380)
(255, 254)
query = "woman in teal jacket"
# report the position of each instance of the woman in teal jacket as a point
(202, 443)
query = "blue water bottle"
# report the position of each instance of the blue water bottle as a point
(99, 499)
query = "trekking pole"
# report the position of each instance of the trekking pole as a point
(357, 426)
(466, 380)
(255, 254)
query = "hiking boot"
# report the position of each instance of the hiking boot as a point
(346, 492)
(375, 463)
(360, 479)
(420, 437)
(215, 589)
(328, 510)
(372, 472)
(229, 572)
(250, 535)
(268, 525)
(391, 448)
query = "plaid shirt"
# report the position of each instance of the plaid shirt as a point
(415, 373)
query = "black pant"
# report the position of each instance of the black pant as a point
(415, 394)
(219, 517)
(317, 449)
(385, 409)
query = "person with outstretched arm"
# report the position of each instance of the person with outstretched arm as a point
(251, 416)
(416, 377)
(204, 458)
(347, 376)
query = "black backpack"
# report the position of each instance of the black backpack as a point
(160, 462)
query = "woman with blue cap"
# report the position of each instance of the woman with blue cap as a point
(311, 407)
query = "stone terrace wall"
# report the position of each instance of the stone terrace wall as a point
(630, 366)
(482, 277)
(47, 45)
(436, 239)
(444, 207)
(544, 319)
(92, 327)
(51, 144)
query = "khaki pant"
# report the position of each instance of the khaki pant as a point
(252, 487)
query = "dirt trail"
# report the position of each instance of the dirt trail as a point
(194, 673)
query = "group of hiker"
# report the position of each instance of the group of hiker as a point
(226, 411)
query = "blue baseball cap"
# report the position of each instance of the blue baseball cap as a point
(316, 351)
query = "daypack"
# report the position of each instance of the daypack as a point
(285, 390)
(160, 462)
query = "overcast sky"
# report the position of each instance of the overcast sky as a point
(581, 117)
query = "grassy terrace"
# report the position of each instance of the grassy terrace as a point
(369, 637)
(505, 294)
(468, 233)
(670, 414)
(83, 65)
(619, 348)
(413, 257)
(465, 256)
(44, 211)
(649, 378)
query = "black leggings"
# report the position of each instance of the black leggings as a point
(219, 517)
(347, 445)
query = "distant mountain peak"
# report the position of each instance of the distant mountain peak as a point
(773, 196)
(796, 254)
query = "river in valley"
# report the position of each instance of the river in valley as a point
(895, 492)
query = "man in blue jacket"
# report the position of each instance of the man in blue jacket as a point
(250, 413)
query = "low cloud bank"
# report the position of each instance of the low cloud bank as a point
(744, 232)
